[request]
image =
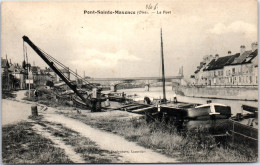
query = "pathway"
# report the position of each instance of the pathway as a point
(130, 151)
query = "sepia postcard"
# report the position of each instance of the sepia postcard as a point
(120, 81)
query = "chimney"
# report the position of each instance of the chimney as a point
(216, 56)
(229, 52)
(254, 46)
(210, 58)
(242, 49)
(205, 58)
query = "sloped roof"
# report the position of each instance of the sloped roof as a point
(48, 70)
(199, 67)
(197, 71)
(64, 70)
(231, 60)
(251, 57)
(221, 62)
(242, 57)
(35, 68)
(209, 64)
(12, 68)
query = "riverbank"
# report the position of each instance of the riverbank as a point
(68, 135)
(192, 146)
(133, 139)
(216, 92)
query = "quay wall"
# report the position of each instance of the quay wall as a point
(233, 93)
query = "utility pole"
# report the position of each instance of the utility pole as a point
(29, 88)
(7, 73)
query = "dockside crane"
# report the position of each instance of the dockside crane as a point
(93, 102)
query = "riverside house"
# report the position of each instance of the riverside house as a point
(240, 69)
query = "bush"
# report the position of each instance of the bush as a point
(50, 84)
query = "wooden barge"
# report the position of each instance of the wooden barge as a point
(243, 127)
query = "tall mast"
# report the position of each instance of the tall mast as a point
(163, 76)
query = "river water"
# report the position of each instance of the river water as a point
(156, 92)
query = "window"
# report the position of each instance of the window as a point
(250, 69)
(233, 70)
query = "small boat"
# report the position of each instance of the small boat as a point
(243, 127)
(209, 111)
(192, 115)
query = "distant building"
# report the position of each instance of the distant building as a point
(55, 77)
(19, 74)
(40, 77)
(6, 75)
(237, 69)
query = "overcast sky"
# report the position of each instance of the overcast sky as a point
(128, 45)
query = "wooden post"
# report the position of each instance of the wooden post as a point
(233, 130)
(29, 88)
(34, 110)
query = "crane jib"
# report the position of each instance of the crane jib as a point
(55, 69)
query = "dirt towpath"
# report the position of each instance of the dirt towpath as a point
(15, 111)
(130, 151)
(76, 158)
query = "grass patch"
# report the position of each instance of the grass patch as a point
(192, 146)
(21, 145)
(46, 97)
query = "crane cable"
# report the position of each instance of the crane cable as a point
(64, 67)
(59, 64)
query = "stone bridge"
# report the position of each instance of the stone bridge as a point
(143, 81)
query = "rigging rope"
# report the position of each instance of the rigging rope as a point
(55, 63)
(64, 67)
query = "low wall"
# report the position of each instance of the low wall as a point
(237, 93)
